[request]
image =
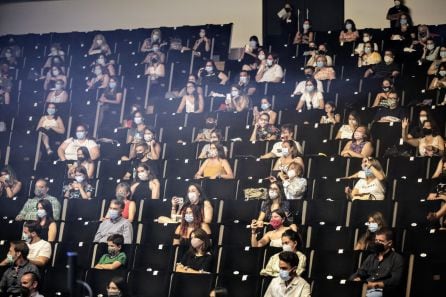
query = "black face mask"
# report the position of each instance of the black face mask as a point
(376, 247)
(427, 131)
(139, 155)
(81, 159)
(287, 9)
(386, 89)
(210, 125)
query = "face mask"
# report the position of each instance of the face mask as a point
(202, 34)
(112, 251)
(269, 62)
(284, 275)
(8, 55)
(358, 135)
(58, 87)
(51, 111)
(287, 248)
(285, 152)
(397, 3)
(112, 85)
(427, 131)
(81, 159)
(55, 72)
(137, 120)
(10, 259)
(377, 247)
(368, 172)
(348, 26)
(113, 214)
(121, 196)
(148, 137)
(265, 106)
(209, 125)
(99, 41)
(352, 122)
(98, 71)
(26, 237)
(143, 176)
(261, 57)
(243, 79)
(192, 196)
(320, 64)
(388, 59)
(309, 88)
(272, 194)
(403, 21)
(156, 49)
(101, 61)
(209, 69)
(196, 242)
(155, 37)
(291, 173)
(275, 223)
(386, 89)
(392, 102)
(234, 93)
(189, 217)
(214, 139)
(7, 177)
(430, 46)
(306, 26)
(373, 227)
(422, 119)
(113, 293)
(154, 60)
(442, 72)
(39, 193)
(443, 54)
(367, 50)
(366, 39)
(139, 155)
(79, 179)
(212, 154)
(80, 135)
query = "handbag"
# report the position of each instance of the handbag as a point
(255, 193)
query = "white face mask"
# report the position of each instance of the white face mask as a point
(291, 173)
(366, 38)
(234, 93)
(388, 59)
(423, 118)
(443, 54)
(287, 248)
(261, 57)
(273, 194)
(192, 196)
(79, 178)
(352, 122)
(306, 26)
(269, 62)
(285, 152)
(137, 120)
(143, 176)
(373, 227)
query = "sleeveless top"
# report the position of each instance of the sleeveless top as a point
(47, 122)
(125, 212)
(422, 146)
(276, 242)
(357, 148)
(142, 191)
(55, 98)
(213, 170)
(190, 106)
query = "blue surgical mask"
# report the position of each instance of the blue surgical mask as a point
(373, 227)
(41, 213)
(320, 64)
(309, 88)
(112, 85)
(284, 275)
(368, 172)
(10, 259)
(80, 135)
(265, 106)
(26, 237)
(403, 21)
(51, 111)
(189, 217)
(348, 26)
(113, 214)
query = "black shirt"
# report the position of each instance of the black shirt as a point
(389, 270)
(397, 113)
(197, 262)
(383, 70)
(394, 10)
(10, 282)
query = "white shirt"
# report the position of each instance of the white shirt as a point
(312, 101)
(272, 73)
(346, 132)
(300, 88)
(374, 187)
(41, 248)
(74, 144)
(298, 287)
(277, 147)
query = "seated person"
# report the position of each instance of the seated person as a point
(56, 74)
(83, 160)
(58, 94)
(286, 133)
(366, 37)
(10, 186)
(294, 184)
(274, 238)
(17, 260)
(155, 70)
(330, 117)
(5, 85)
(192, 101)
(99, 46)
(109, 66)
(289, 283)
(371, 183)
(265, 107)
(195, 196)
(430, 51)
(382, 96)
(45, 219)
(51, 126)
(115, 224)
(439, 81)
(198, 259)
(346, 130)
(416, 127)
(382, 270)
(68, 149)
(269, 71)
(212, 77)
(441, 59)
(263, 130)
(216, 137)
(249, 53)
(202, 45)
(155, 37)
(79, 188)
(359, 146)
(146, 185)
(193, 79)
(276, 199)
(236, 101)
(322, 70)
(438, 190)
(39, 249)
(216, 165)
(301, 86)
(289, 154)
(191, 219)
(291, 242)
(349, 33)
(306, 35)
(110, 100)
(155, 52)
(114, 258)
(430, 143)
(386, 68)
(375, 222)
(369, 57)
(311, 97)
(99, 80)
(322, 51)
(205, 133)
(394, 113)
(245, 85)
(123, 192)
(135, 134)
(144, 154)
(29, 210)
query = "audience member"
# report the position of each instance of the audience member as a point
(58, 94)
(374, 223)
(191, 219)
(10, 186)
(83, 160)
(286, 133)
(115, 224)
(68, 149)
(216, 165)
(114, 258)
(438, 190)
(146, 185)
(51, 126)
(430, 143)
(394, 13)
(346, 131)
(30, 281)
(366, 37)
(301, 86)
(79, 188)
(216, 137)
(393, 113)
(439, 80)
(359, 146)
(39, 249)
(273, 238)
(209, 127)
(45, 219)
(248, 57)
(381, 99)
(99, 46)
(117, 287)
(192, 102)
(349, 33)
(263, 130)
(294, 184)
(331, 116)
(311, 98)
(371, 183)
(276, 200)
(305, 35)
(198, 259)
(289, 154)
(322, 70)
(269, 70)
(386, 68)
(265, 107)
(123, 193)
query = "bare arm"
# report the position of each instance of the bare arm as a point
(200, 104)
(94, 152)
(182, 105)
(61, 151)
(155, 188)
(60, 129)
(229, 174)
(438, 170)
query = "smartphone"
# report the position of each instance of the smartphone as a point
(180, 200)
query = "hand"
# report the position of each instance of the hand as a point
(253, 225)
(348, 191)
(405, 123)
(175, 201)
(75, 186)
(102, 100)
(272, 179)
